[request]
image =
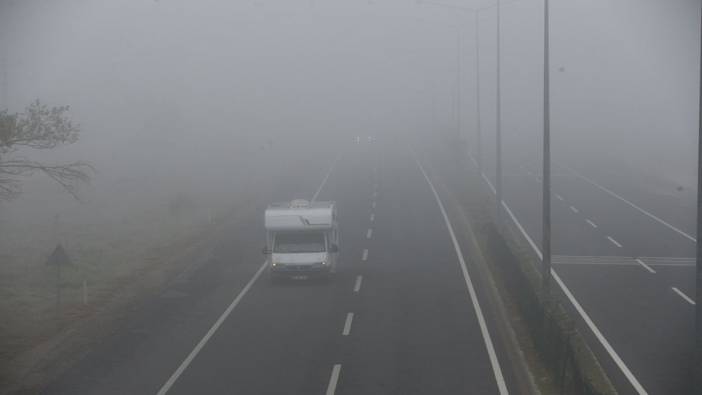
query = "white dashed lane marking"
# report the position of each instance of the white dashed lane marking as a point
(616, 243)
(645, 266)
(357, 285)
(347, 324)
(682, 295)
(334, 379)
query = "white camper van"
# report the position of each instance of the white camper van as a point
(302, 239)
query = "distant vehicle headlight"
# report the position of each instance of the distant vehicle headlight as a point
(323, 263)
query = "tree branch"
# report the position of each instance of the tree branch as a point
(68, 176)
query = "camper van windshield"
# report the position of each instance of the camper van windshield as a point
(299, 242)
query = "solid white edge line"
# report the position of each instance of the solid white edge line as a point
(606, 257)
(682, 295)
(521, 229)
(595, 263)
(594, 225)
(616, 243)
(588, 321)
(324, 181)
(497, 370)
(642, 263)
(692, 265)
(492, 187)
(347, 324)
(334, 379)
(595, 330)
(671, 258)
(650, 215)
(357, 285)
(369, 234)
(184, 365)
(365, 254)
(622, 366)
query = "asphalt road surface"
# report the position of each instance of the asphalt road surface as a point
(400, 317)
(627, 255)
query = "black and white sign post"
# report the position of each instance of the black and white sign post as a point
(58, 259)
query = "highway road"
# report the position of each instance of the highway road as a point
(627, 255)
(402, 316)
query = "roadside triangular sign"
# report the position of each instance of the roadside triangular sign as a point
(58, 257)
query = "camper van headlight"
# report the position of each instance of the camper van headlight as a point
(324, 263)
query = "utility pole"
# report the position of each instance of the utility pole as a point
(498, 132)
(546, 182)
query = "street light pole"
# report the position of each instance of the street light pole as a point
(498, 132)
(3, 84)
(476, 12)
(697, 368)
(479, 132)
(546, 193)
(458, 84)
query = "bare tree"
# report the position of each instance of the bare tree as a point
(38, 127)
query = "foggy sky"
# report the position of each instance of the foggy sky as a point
(177, 94)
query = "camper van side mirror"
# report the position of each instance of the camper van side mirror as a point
(334, 248)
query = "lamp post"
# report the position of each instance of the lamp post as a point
(498, 123)
(479, 133)
(479, 137)
(546, 182)
(546, 172)
(697, 368)
(498, 131)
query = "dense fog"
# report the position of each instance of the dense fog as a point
(172, 94)
(196, 115)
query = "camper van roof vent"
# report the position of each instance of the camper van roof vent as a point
(299, 203)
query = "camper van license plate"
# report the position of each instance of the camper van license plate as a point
(299, 277)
